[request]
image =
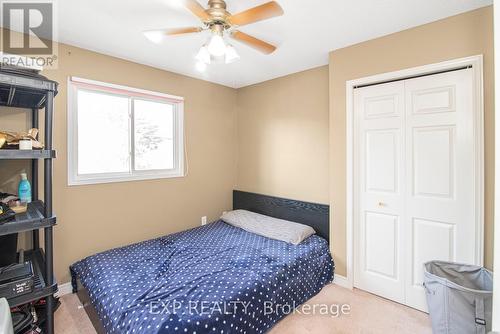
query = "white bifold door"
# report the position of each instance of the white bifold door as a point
(414, 184)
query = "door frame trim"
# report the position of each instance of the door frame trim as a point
(476, 62)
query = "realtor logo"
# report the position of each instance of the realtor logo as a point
(29, 29)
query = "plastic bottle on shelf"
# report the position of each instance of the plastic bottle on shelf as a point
(24, 190)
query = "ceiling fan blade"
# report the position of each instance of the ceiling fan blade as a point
(253, 42)
(157, 36)
(195, 8)
(181, 31)
(259, 13)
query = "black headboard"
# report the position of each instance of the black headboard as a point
(315, 215)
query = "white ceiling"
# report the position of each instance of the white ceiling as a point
(308, 31)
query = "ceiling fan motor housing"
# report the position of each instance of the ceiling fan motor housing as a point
(218, 13)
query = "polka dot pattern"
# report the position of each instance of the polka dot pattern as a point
(162, 285)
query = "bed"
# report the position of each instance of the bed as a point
(212, 279)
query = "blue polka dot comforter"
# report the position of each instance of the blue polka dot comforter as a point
(212, 279)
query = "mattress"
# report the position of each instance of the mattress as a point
(212, 279)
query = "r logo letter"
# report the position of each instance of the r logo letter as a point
(35, 22)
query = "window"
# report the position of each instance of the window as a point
(117, 133)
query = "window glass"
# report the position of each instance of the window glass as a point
(103, 133)
(153, 135)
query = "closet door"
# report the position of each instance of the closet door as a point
(379, 186)
(414, 184)
(440, 220)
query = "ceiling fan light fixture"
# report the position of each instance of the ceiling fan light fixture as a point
(216, 19)
(203, 55)
(154, 36)
(217, 46)
(231, 54)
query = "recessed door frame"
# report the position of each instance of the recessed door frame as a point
(476, 63)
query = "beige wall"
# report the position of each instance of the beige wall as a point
(460, 36)
(283, 136)
(98, 217)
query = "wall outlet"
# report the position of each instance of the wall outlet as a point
(204, 220)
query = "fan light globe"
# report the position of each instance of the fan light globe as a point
(231, 54)
(203, 55)
(154, 36)
(217, 46)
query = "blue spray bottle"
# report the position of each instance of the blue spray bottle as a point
(24, 190)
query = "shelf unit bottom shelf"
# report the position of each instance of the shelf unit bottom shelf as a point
(41, 289)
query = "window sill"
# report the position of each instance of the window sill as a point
(80, 181)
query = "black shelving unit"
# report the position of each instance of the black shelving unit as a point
(21, 89)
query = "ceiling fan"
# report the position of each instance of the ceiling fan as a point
(220, 22)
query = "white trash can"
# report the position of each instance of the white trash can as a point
(5, 317)
(459, 297)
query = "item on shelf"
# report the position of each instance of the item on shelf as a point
(7, 198)
(22, 318)
(30, 318)
(12, 202)
(8, 249)
(18, 206)
(25, 144)
(24, 189)
(6, 213)
(3, 139)
(13, 138)
(16, 279)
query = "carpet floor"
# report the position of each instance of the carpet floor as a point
(336, 310)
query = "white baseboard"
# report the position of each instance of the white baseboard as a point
(64, 289)
(342, 281)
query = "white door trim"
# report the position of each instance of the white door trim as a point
(496, 265)
(477, 66)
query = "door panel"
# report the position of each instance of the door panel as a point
(382, 107)
(382, 161)
(433, 100)
(382, 238)
(432, 240)
(434, 161)
(440, 193)
(380, 110)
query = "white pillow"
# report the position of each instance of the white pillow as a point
(270, 227)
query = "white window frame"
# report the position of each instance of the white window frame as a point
(75, 84)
